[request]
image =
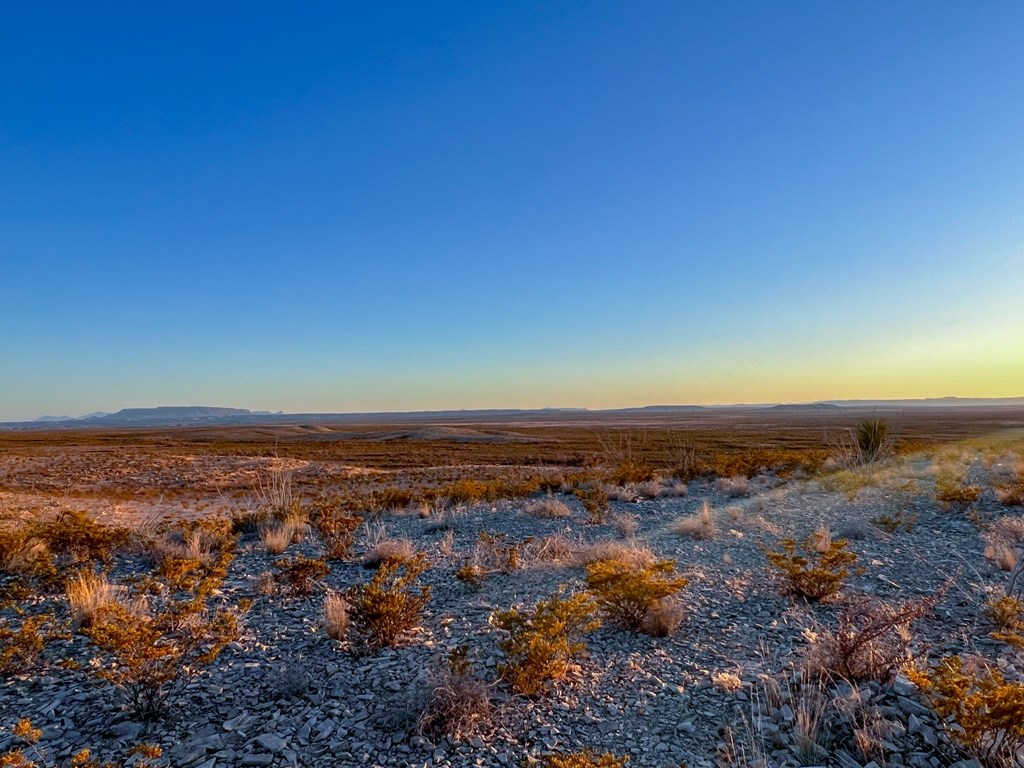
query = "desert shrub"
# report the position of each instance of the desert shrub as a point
(548, 507)
(1005, 612)
(389, 551)
(21, 646)
(391, 604)
(193, 553)
(738, 485)
(75, 536)
(543, 643)
(584, 759)
(1010, 495)
(492, 554)
(897, 521)
(953, 491)
(336, 616)
(663, 617)
(24, 555)
(871, 438)
(457, 704)
(986, 710)
(813, 575)
(389, 499)
(871, 640)
(336, 528)
(27, 736)
(467, 491)
(298, 575)
(626, 593)
(700, 525)
(595, 502)
(151, 659)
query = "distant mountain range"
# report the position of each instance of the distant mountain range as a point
(185, 415)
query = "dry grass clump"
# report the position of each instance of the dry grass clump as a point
(391, 604)
(389, 551)
(556, 549)
(626, 525)
(820, 539)
(1003, 540)
(548, 507)
(626, 592)
(700, 525)
(541, 645)
(491, 554)
(812, 575)
(630, 553)
(727, 681)
(88, 593)
(276, 537)
(733, 487)
(335, 618)
(1011, 495)
(458, 703)
(662, 617)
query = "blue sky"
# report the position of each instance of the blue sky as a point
(356, 206)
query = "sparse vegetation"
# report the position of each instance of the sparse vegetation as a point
(700, 525)
(542, 644)
(391, 604)
(985, 711)
(813, 575)
(628, 593)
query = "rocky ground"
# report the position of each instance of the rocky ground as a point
(725, 682)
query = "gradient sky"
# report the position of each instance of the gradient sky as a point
(372, 206)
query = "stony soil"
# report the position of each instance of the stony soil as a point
(285, 694)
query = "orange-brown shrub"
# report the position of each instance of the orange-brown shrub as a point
(391, 604)
(627, 592)
(813, 575)
(542, 644)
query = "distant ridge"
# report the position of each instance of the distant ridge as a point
(198, 415)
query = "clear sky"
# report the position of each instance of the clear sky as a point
(347, 206)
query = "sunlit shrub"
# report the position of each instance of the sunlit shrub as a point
(542, 644)
(151, 659)
(987, 710)
(391, 604)
(336, 528)
(627, 592)
(813, 575)
(21, 645)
